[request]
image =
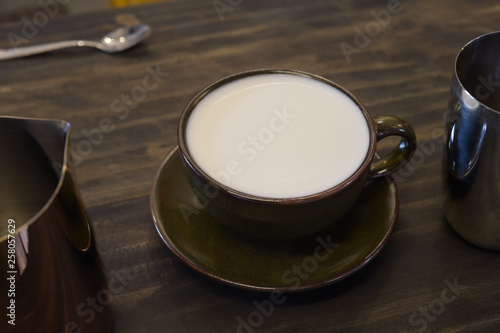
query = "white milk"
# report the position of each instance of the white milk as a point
(278, 135)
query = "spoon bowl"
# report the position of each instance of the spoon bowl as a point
(123, 38)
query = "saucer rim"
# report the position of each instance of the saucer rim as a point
(303, 287)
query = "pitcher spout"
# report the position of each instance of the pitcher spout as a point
(34, 158)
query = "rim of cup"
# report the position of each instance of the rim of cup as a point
(184, 118)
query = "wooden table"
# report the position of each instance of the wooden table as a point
(395, 56)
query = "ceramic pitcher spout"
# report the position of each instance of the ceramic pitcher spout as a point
(46, 238)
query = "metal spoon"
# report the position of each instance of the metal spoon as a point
(116, 41)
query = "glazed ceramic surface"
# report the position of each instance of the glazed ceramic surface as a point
(282, 218)
(243, 261)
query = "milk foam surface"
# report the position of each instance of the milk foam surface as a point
(278, 135)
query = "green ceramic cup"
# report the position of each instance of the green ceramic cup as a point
(293, 217)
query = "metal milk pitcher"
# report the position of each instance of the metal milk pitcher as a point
(49, 263)
(471, 158)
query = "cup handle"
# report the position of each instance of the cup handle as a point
(388, 126)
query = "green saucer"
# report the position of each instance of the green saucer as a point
(220, 253)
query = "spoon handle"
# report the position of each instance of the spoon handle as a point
(24, 51)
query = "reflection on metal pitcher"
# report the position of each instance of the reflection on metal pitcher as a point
(48, 257)
(471, 159)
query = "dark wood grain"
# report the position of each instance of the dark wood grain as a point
(404, 70)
